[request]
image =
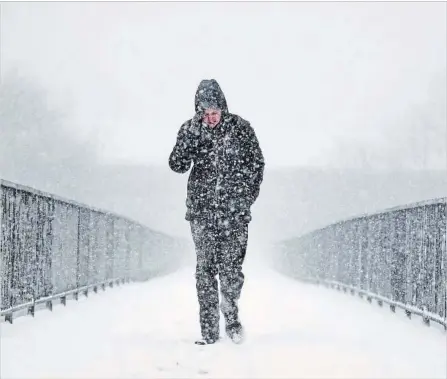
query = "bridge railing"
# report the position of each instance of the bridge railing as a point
(398, 257)
(52, 248)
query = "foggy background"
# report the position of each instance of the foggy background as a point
(348, 101)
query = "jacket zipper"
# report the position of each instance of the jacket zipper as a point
(216, 167)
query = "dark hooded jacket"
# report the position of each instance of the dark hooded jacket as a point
(228, 161)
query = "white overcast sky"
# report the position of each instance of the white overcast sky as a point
(306, 75)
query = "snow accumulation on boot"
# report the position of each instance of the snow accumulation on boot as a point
(235, 332)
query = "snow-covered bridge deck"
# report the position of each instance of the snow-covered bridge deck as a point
(294, 330)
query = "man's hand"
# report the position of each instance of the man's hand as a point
(185, 149)
(196, 124)
(191, 132)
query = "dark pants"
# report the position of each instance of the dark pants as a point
(220, 250)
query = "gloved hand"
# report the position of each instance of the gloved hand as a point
(241, 210)
(189, 134)
(196, 124)
(243, 217)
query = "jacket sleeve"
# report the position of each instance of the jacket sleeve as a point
(255, 163)
(181, 156)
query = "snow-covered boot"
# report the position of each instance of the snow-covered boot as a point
(235, 331)
(207, 341)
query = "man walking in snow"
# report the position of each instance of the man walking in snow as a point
(223, 185)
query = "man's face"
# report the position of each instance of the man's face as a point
(212, 117)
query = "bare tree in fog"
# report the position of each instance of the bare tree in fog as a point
(36, 148)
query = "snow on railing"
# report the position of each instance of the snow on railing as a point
(398, 257)
(51, 248)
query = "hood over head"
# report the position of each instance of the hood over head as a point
(210, 95)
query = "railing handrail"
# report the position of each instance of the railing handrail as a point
(75, 203)
(372, 214)
(401, 207)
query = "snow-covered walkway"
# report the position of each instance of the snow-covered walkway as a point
(293, 331)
